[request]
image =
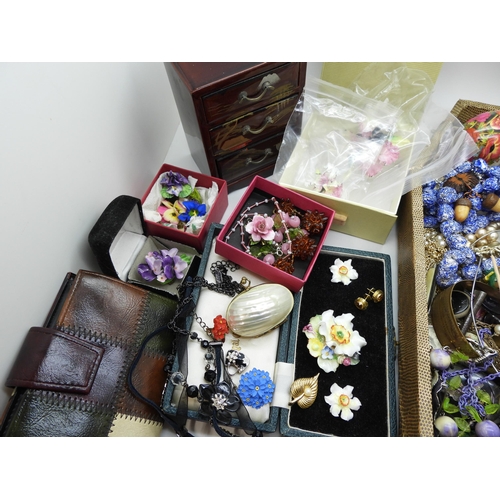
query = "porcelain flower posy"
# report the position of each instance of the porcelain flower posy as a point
(342, 403)
(343, 272)
(176, 202)
(333, 340)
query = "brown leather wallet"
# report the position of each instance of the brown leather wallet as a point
(55, 361)
(71, 375)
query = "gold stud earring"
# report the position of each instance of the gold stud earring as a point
(375, 295)
(362, 302)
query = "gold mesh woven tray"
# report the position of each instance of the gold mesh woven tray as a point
(414, 374)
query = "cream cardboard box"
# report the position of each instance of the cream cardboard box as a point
(370, 214)
(368, 207)
(353, 218)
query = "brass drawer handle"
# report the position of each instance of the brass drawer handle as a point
(267, 152)
(244, 96)
(248, 130)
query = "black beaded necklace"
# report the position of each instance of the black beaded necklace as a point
(218, 397)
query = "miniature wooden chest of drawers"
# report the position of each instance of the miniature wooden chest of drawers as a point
(234, 114)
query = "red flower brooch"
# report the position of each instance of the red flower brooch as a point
(220, 328)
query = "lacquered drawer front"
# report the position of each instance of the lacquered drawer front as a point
(251, 94)
(250, 159)
(252, 127)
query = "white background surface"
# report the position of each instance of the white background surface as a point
(73, 136)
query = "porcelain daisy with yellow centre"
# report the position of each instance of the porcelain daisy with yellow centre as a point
(343, 272)
(339, 333)
(342, 403)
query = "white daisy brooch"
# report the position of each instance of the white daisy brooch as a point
(342, 403)
(343, 272)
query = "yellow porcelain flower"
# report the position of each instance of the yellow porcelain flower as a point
(327, 360)
(342, 403)
(339, 333)
(343, 272)
(315, 346)
(173, 211)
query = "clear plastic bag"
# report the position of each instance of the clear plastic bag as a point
(328, 155)
(431, 140)
(336, 139)
(444, 145)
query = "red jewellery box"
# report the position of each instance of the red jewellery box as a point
(229, 240)
(214, 214)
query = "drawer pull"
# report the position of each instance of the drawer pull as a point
(244, 96)
(248, 130)
(267, 152)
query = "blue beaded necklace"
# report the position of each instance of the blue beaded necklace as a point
(461, 258)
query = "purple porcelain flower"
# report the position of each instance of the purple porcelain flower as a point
(152, 268)
(173, 264)
(173, 183)
(163, 266)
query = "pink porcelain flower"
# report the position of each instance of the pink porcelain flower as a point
(389, 153)
(261, 228)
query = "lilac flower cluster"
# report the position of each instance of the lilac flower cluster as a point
(164, 266)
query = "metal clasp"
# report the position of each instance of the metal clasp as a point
(245, 283)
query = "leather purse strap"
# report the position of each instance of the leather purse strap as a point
(178, 428)
(55, 361)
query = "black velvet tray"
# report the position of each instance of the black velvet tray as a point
(373, 378)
